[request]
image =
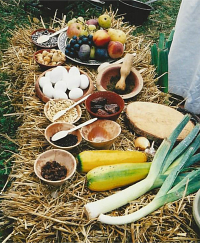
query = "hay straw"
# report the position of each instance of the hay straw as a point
(37, 212)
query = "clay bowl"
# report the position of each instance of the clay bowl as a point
(113, 70)
(64, 158)
(60, 126)
(68, 116)
(43, 66)
(101, 134)
(45, 98)
(36, 33)
(112, 98)
(196, 208)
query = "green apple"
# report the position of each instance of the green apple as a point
(104, 21)
(117, 35)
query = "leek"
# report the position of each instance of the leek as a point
(93, 209)
(167, 192)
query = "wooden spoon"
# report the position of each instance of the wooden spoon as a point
(124, 71)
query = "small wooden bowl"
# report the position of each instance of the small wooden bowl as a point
(43, 66)
(77, 107)
(112, 98)
(112, 70)
(63, 157)
(42, 45)
(60, 126)
(45, 99)
(101, 134)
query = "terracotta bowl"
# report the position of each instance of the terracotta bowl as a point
(63, 118)
(196, 208)
(43, 66)
(101, 134)
(112, 98)
(42, 45)
(60, 126)
(64, 158)
(45, 99)
(112, 70)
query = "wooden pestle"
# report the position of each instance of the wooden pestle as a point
(124, 71)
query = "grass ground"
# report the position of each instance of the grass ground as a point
(161, 19)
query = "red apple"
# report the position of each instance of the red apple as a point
(92, 22)
(115, 49)
(74, 29)
(101, 38)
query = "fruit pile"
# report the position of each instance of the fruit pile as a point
(94, 39)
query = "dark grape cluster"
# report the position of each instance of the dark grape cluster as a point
(75, 43)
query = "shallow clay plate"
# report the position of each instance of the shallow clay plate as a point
(113, 70)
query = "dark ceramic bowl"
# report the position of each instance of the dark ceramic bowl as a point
(46, 45)
(135, 12)
(112, 98)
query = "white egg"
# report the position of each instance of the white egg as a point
(84, 81)
(73, 82)
(75, 93)
(56, 75)
(43, 81)
(74, 71)
(63, 70)
(59, 94)
(48, 90)
(61, 85)
(47, 74)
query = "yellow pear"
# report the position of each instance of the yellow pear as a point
(117, 35)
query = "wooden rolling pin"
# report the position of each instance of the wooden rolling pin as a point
(124, 71)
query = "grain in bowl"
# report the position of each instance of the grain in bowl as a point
(55, 105)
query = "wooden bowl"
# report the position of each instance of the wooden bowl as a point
(45, 99)
(45, 44)
(43, 66)
(112, 98)
(101, 134)
(58, 105)
(60, 126)
(113, 70)
(64, 158)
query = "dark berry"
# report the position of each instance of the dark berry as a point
(90, 37)
(67, 52)
(74, 37)
(76, 47)
(85, 40)
(73, 42)
(68, 47)
(80, 42)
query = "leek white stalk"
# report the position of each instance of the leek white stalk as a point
(121, 198)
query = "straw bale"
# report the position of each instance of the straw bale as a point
(37, 212)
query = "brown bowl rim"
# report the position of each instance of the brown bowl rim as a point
(41, 46)
(105, 116)
(104, 120)
(125, 96)
(60, 147)
(79, 110)
(43, 65)
(59, 181)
